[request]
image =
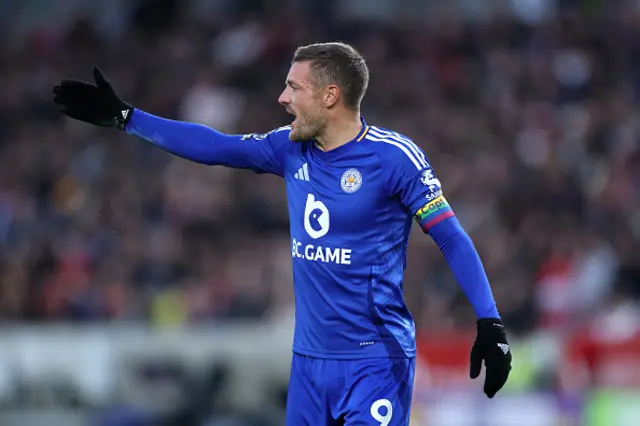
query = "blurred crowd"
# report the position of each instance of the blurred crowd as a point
(532, 128)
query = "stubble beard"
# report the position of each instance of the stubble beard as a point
(307, 129)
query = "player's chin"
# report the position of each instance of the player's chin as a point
(295, 138)
(297, 135)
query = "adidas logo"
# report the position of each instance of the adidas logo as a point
(125, 113)
(504, 348)
(302, 173)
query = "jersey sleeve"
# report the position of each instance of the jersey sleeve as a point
(414, 183)
(266, 151)
(262, 153)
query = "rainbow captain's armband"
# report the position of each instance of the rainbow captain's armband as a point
(433, 212)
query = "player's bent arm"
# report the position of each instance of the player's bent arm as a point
(413, 182)
(464, 261)
(202, 144)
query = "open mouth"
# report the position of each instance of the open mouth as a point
(294, 117)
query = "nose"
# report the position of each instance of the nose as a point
(285, 97)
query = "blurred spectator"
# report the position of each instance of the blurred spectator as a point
(531, 124)
(527, 109)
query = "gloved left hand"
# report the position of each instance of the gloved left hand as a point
(491, 346)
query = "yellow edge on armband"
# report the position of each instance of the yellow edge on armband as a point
(433, 207)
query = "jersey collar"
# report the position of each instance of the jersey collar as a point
(328, 155)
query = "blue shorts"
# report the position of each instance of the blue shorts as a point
(357, 392)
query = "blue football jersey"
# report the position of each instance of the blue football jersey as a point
(351, 211)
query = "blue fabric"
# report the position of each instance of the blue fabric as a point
(351, 210)
(201, 144)
(464, 261)
(332, 392)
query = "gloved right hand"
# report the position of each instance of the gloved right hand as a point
(95, 104)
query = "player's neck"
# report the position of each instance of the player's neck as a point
(340, 131)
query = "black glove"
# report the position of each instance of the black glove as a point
(96, 104)
(491, 346)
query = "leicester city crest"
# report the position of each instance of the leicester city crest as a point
(351, 181)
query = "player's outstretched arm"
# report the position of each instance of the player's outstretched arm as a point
(100, 105)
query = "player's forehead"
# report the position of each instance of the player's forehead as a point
(299, 73)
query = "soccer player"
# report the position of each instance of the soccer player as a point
(353, 190)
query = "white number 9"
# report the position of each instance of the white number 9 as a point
(375, 411)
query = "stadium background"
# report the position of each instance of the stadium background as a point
(139, 289)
